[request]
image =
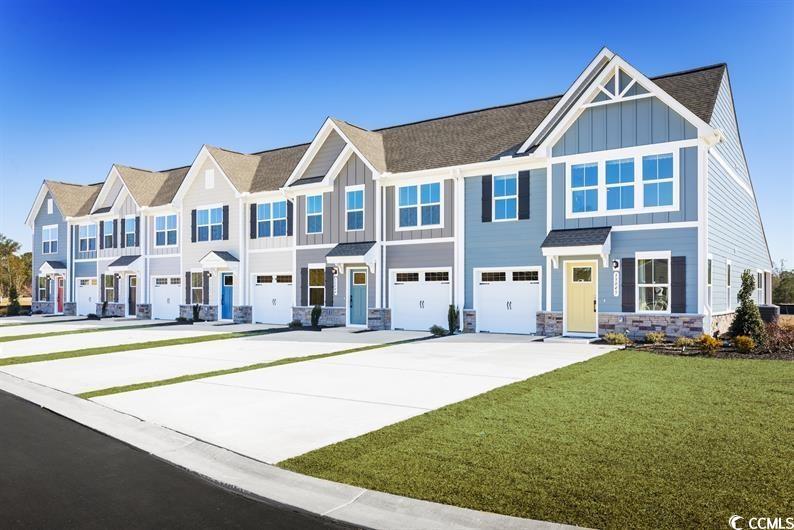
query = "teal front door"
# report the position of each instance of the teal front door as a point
(357, 293)
(227, 295)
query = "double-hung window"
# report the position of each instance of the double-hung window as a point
(108, 233)
(620, 184)
(760, 287)
(129, 232)
(165, 230)
(708, 280)
(87, 238)
(728, 284)
(317, 286)
(505, 197)
(314, 214)
(110, 288)
(584, 188)
(419, 206)
(42, 285)
(196, 287)
(49, 239)
(354, 208)
(653, 285)
(209, 224)
(657, 177)
(271, 219)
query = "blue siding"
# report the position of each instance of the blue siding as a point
(626, 124)
(85, 269)
(43, 219)
(679, 241)
(504, 244)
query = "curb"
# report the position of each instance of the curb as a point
(342, 502)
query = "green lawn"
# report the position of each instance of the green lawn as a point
(628, 439)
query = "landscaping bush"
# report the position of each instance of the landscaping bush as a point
(104, 308)
(317, 311)
(744, 344)
(13, 305)
(183, 320)
(196, 313)
(779, 338)
(655, 337)
(295, 324)
(747, 320)
(437, 331)
(452, 318)
(708, 344)
(617, 338)
(93, 316)
(684, 342)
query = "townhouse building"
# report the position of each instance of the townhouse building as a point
(624, 204)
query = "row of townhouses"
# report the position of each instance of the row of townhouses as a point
(624, 204)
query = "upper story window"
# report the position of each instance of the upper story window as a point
(314, 214)
(584, 186)
(87, 238)
(653, 285)
(657, 176)
(165, 230)
(354, 208)
(209, 224)
(620, 184)
(419, 206)
(759, 285)
(271, 219)
(49, 239)
(108, 233)
(505, 197)
(49, 206)
(129, 232)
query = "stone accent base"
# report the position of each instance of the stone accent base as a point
(469, 321)
(331, 316)
(70, 308)
(206, 312)
(44, 307)
(549, 323)
(143, 311)
(379, 318)
(242, 314)
(721, 323)
(112, 310)
(636, 325)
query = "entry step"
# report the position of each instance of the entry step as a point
(572, 340)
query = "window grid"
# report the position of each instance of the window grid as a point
(87, 238)
(49, 240)
(284, 278)
(525, 276)
(316, 287)
(437, 276)
(129, 232)
(314, 214)
(209, 224)
(109, 287)
(505, 193)
(405, 277)
(165, 230)
(419, 206)
(108, 233)
(354, 207)
(161, 281)
(657, 176)
(619, 179)
(493, 277)
(584, 187)
(271, 219)
(196, 287)
(653, 285)
(260, 280)
(42, 287)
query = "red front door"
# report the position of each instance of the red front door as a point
(60, 294)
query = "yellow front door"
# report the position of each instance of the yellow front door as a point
(580, 297)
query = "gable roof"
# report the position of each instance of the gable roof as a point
(262, 171)
(73, 200)
(369, 143)
(695, 89)
(151, 188)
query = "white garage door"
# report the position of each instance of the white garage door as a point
(272, 298)
(419, 298)
(87, 295)
(166, 296)
(507, 300)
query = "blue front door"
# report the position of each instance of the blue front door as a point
(358, 297)
(227, 295)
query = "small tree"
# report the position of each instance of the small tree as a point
(452, 318)
(13, 306)
(747, 320)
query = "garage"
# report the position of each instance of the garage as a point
(87, 295)
(507, 300)
(419, 298)
(271, 298)
(166, 297)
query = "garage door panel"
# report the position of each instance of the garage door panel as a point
(271, 298)
(508, 300)
(419, 299)
(87, 295)
(166, 296)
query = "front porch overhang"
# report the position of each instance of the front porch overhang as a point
(126, 264)
(219, 259)
(49, 268)
(578, 242)
(353, 253)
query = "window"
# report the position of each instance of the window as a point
(759, 285)
(316, 287)
(437, 276)
(49, 206)
(271, 219)
(87, 238)
(161, 281)
(209, 224)
(165, 230)
(493, 277)
(728, 283)
(84, 283)
(129, 232)
(110, 288)
(525, 276)
(209, 179)
(584, 186)
(708, 280)
(354, 205)
(42, 287)
(107, 234)
(49, 239)
(196, 287)
(505, 197)
(419, 205)
(284, 278)
(653, 285)
(582, 274)
(314, 214)
(176, 281)
(403, 277)
(261, 280)
(359, 278)
(620, 184)
(657, 174)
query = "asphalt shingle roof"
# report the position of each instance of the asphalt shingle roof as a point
(73, 200)
(123, 261)
(350, 249)
(575, 237)
(152, 188)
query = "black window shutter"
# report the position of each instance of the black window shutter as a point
(115, 289)
(123, 233)
(225, 222)
(487, 191)
(138, 231)
(101, 234)
(115, 233)
(329, 287)
(253, 221)
(35, 291)
(304, 286)
(193, 226)
(678, 284)
(289, 218)
(206, 297)
(101, 287)
(187, 288)
(523, 194)
(627, 285)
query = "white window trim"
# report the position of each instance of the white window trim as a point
(112, 289)
(88, 238)
(272, 219)
(50, 241)
(363, 209)
(309, 286)
(494, 198)
(633, 183)
(419, 226)
(664, 254)
(710, 279)
(129, 218)
(209, 222)
(637, 153)
(209, 179)
(321, 213)
(106, 234)
(728, 286)
(600, 194)
(49, 206)
(43, 288)
(166, 230)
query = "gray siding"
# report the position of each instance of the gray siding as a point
(270, 262)
(42, 219)
(305, 257)
(112, 193)
(625, 124)
(284, 242)
(419, 255)
(448, 206)
(325, 157)
(127, 208)
(150, 235)
(165, 267)
(504, 244)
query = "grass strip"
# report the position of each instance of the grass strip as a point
(13, 338)
(247, 368)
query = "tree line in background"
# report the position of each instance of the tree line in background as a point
(782, 284)
(15, 271)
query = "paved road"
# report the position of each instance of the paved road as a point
(55, 473)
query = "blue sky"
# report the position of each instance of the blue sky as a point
(146, 84)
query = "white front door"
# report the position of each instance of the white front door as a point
(87, 295)
(419, 298)
(271, 298)
(167, 292)
(507, 300)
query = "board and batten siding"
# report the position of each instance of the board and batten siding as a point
(504, 244)
(448, 209)
(260, 243)
(127, 208)
(112, 194)
(155, 250)
(429, 255)
(325, 157)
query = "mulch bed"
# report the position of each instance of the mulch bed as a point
(726, 352)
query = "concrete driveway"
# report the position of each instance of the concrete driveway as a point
(60, 326)
(280, 412)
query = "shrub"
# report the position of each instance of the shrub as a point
(744, 344)
(655, 337)
(747, 320)
(617, 338)
(183, 320)
(780, 338)
(13, 305)
(708, 344)
(93, 316)
(437, 331)
(317, 311)
(452, 318)
(684, 342)
(295, 324)
(196, 313)
(104, 308)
